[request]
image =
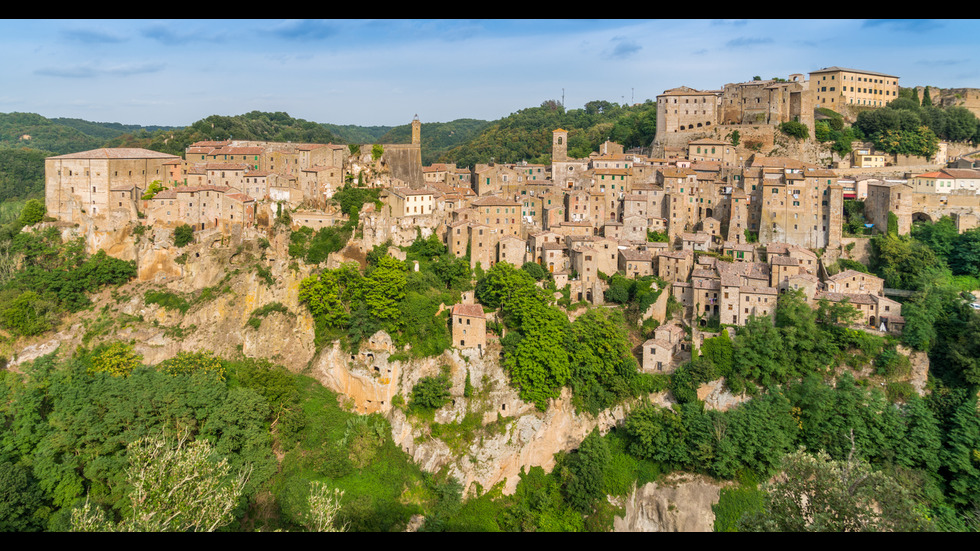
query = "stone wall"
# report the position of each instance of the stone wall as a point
(405, 161)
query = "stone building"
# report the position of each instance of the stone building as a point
(836, 87)
(680, 109)
(469, 326)
(402, 202)
(79, 184)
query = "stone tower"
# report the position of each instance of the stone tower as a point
(559, 145)
(738, 222)
(836, 221)
(416, 131)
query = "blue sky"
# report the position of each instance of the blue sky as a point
(383, 72)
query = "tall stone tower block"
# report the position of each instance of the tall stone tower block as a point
(559, 145)
(836, 218)
(739, 220)
(416, 131)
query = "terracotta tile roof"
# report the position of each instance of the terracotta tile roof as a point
(838, 297)
(746, 289)
(835, 69)
(495, 201)
(847, 274)
(405, 192)
(634, 255)
(657, 342)
(230, 150)
(117, 153)
(785, 261)
(468, 310)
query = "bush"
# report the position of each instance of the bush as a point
(116, 359)
(167, 300)
(430, 393)
(33, 213)
(794, 129)
(183, 235)
(186, 363)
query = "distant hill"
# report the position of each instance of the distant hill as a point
(36, 132)
(438, 137)
(107, 130)
(526, 134)
(350, 133)
(255, 125)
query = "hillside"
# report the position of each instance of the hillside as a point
(526, 134)
(351, 133)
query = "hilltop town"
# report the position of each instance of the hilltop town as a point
(623, 339)
(727, 228)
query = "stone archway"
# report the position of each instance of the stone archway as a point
(921, 217)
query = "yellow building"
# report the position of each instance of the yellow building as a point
(836, 86)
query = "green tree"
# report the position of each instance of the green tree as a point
(32, 213)
(720, 352)
(960, 456)
(657, 434)
(534, 270)
(584, 473)
(384, 288)
(183, 235)
(502, 282)
(431, 392)
(735, 137)
(22, 505)
(176, 487)
(820, 494)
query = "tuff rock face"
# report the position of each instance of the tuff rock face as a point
(682, 503)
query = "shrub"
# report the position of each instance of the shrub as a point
(167, 300)
(794, 129)
(183, 235)
(32, 213)
(117, 359)
(431, 393)
(193, 362)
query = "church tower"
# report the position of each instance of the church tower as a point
(416, 131)
(559, 145)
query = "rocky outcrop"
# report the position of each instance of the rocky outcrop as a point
(716, 395)
(513, 434)
(681, 503)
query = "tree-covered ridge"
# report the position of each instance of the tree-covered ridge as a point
(22, 173)
(45, 134)
(527, 134)
(352, 133)
(107, 130)
(255, 125)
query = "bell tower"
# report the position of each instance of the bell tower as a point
(559, 145)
